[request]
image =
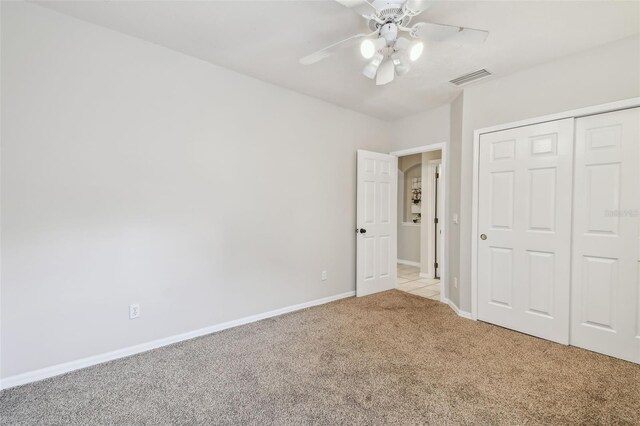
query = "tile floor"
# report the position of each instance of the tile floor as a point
(409, 280)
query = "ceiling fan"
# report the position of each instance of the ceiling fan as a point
(388, 52)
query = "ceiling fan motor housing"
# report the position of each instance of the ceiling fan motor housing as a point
(389, 12)
(389, 32)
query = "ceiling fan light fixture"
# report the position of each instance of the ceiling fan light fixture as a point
(415, 50)
(367, 50)
(369, 47)
(371, 69)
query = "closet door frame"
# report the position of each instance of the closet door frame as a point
(576, 113)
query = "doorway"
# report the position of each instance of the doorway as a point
(421, 204)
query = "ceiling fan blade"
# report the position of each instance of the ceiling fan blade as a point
(416, 7)
(331, 49)
(450, 33)
(385, 73)
(361, 7)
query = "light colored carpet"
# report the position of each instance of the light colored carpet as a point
(391, 358)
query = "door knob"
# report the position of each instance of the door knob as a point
(483, 237)
(363, 231)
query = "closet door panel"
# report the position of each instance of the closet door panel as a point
(525, 213)
(605, 295)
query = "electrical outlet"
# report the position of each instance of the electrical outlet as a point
(455, 282)
(323, 276)
(134, 311)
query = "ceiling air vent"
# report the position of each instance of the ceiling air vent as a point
(472, 76)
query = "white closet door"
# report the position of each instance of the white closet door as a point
(606, 264)
(525, 214)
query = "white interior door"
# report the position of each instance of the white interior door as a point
(606, 254)
(439, 217)
(431, 218)
(524, 216)
(377, 222)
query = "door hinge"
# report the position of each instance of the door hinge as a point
(435, 220)
(435, 265)
(437, 175)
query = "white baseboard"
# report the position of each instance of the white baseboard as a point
(426, 275)
(55, 370)
(463, 314)
(409, 262)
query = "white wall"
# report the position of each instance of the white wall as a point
(409, 242)
(132, 173)
(453, 178)
(425, 128)
(408, 232)
(605, 74)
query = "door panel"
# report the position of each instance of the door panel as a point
(600, 283)
(606, 241)
(602, 194)
(385, 203)
(502, 199)
(367, 249)
(541, 281)
(385, 256)
(376, 214)
(542, 205)
(525, 212)
(501, 276)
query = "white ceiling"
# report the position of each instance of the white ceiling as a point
(265, 39)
